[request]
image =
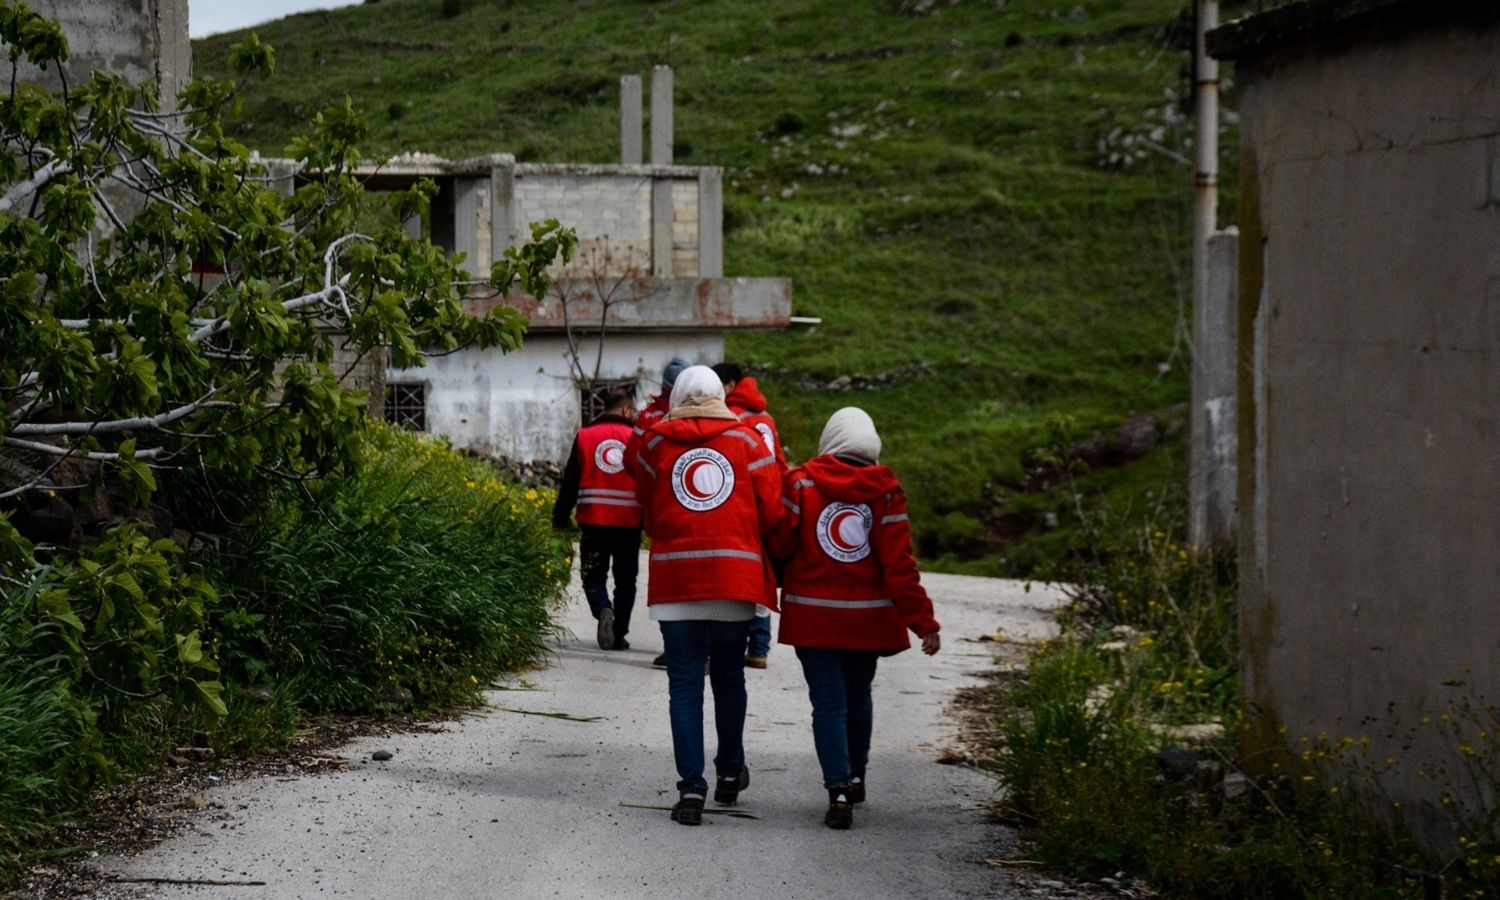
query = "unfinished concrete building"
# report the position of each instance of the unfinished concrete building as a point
(646, 284)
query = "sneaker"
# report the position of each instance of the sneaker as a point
(755, 662)
(840, 813)
(689, 810)
(622, 644)
(606, 633)
(660, 662)
(727, 788)
(857, 788)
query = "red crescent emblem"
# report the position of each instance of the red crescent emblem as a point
(836, 530)
(690, 480)
(612, 455)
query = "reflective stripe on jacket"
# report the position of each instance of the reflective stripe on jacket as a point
(851, 582)
(606, 492)
(711, 493)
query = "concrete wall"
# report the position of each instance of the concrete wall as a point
(611, 208)
(1369, 394)
(524, 405)
(145, 40)
(1212, 454)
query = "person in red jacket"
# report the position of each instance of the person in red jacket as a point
(850, 593)
(609, 517)
(743, 397)
(711, 494)
(656, 410)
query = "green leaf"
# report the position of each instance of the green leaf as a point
(190, 648)
(210, 697)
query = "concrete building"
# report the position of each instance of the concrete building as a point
(650, 250)
(1369, 384)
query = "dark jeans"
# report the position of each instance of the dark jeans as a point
(599, 547)
(838, 682)
(760, 637)
(690, 646)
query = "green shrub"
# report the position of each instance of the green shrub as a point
(1087, 758)
(49, 742)
(1074, 769)
(420, 573)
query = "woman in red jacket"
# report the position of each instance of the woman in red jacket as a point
(850, 593)
(710, 491)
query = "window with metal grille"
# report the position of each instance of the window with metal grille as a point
(591, 395)
(406, 406)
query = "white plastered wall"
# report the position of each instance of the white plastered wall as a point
(524, 405)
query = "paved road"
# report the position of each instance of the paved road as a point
(508, 804)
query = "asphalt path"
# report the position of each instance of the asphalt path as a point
(551, 791)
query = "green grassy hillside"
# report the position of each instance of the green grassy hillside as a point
(981, 187)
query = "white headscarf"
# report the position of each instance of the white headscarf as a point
(850, 432)
(694, 382)
(698, 394)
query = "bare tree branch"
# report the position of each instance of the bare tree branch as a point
(24, 189)
(54, 450)
(115, 426)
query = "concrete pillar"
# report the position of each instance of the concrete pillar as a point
(281, 174)
(1212, 456)
(174, 51)
(661, 226)
(466, 232)
(711, 223)
(502, 211)
(661, 116)
(630, 120)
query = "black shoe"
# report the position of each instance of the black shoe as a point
(857, 787)
(660, 662)
(727, 788)
(840, 813)
(689, 810)
(622, 644)
(606, 633)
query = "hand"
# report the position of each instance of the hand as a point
(932, 644)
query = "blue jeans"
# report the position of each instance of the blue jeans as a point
(760, 637)
(720, 646)
(838, 683)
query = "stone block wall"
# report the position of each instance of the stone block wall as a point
(611, 208)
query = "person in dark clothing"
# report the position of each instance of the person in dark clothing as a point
(609, 517)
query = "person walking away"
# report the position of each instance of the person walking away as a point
(743, 397)
(710, 492)
(609, 517)
(850, 594)
(655, 411)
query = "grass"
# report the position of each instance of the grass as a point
(933, 184)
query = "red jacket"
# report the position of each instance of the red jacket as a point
(606, 492)
(851, 582)
(747, 402)
(654, 412)
(595, 479)
(711, 494)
